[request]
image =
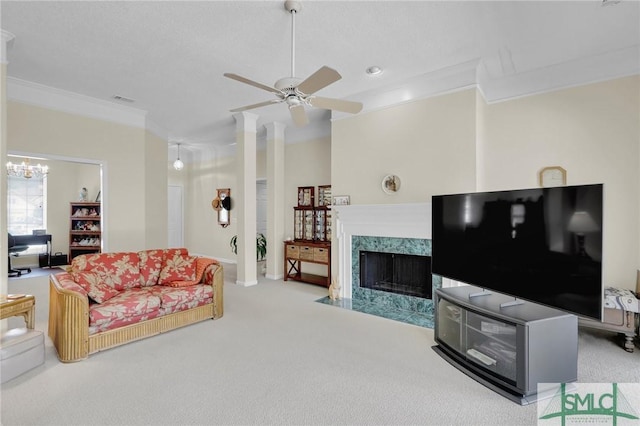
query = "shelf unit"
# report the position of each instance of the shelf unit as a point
(85, 228)
(505, 346)
(297, 252)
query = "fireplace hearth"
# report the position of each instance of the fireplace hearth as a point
(397, 273)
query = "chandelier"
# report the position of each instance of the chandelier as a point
(26, 170)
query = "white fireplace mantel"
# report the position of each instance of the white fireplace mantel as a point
(411, 220)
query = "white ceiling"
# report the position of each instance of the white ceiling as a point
(170, 56)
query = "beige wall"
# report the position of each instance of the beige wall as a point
(429, 144)
(123, 152)
(592, 131)
(156, 212)
(307, 164)
(458, 143)
(203, 235)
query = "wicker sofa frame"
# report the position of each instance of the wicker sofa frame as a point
(69, 321)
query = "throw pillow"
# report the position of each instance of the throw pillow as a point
(201, 264)
(93, 285)
(178, 268)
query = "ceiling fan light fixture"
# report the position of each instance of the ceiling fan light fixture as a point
(293, 100)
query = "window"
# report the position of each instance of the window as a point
(26, 205)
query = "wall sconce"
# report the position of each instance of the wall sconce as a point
(222, 205)
(178, 164)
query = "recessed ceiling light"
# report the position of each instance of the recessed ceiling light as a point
(374, 70)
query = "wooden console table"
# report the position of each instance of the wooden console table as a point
(19, 305)
(298, 252)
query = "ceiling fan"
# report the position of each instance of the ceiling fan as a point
(294, 91)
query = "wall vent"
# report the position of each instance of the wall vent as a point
(123, 99)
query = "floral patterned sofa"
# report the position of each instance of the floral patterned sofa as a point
(109, 299)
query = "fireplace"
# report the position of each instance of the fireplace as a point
(398, 273)
(384, 228)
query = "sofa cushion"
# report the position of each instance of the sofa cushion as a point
(178, 267)
(170, 297)
(118, 270)
(127, 304)
(152, 262)
(93, 284)
(118, 322)
(150, 266)
(201, 265)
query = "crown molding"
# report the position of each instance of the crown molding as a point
(577, 72)
(508, 86)
(61, 100)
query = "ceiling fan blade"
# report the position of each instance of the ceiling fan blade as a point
(298, 115)
(318, 80)
(252, 83)
(335, 104)
(258, 105)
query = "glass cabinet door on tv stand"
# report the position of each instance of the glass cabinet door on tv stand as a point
(510, 348)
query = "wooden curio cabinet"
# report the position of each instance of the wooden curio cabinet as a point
(303, 220)
(312, 224)
(322, 224)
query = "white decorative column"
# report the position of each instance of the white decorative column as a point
(243, 198)
(6, 39)
(275, 200)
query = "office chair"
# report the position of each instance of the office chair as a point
(13, 251)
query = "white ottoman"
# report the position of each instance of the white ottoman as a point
(21, 349)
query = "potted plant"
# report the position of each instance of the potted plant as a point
(261, 246)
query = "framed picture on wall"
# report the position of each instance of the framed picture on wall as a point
(341, 200)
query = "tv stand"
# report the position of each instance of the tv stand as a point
(507, 350)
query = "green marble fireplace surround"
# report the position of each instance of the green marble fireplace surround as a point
(403, 228)
(411, 309)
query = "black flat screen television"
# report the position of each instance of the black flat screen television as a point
(543, 244)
